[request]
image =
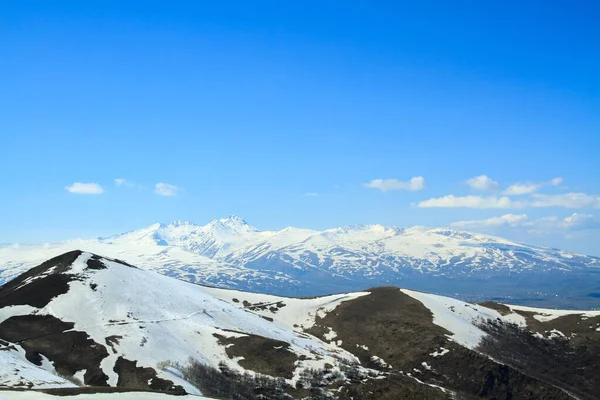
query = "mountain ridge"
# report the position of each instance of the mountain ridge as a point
(230, 253)
(112, 324)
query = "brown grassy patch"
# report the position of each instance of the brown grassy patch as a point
(400, 330)
(263, 355)
(70, 351)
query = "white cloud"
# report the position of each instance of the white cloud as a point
(579, 222)
(166, 189)
(385, 185)
(556, 181)
(521, 188)
(495, 222)
(312, 194)
(452, 201)
(570, 226)
(518, 189)
(122, 182)
(567, 200)
(483, 183)
(84, 188)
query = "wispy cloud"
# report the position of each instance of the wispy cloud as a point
(495, 222)
(557, 181)
(483, 183)
(84, 188)
(581, 222)
(571, 226)
(522, 188)
(166, 189)
(518, 189)
(537, 200)
(506, 199)
(312, 194)
(122, 182)
(452, 201)
(386, 185)
(566, 200)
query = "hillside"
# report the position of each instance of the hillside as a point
(103, 322)
(229, 253)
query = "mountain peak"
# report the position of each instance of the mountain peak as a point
(233, 223)
(233, 220)
(179, 223)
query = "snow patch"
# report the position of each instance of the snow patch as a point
(380, 361)
(330, 335)
(461, 318)
(438, 353)
(547, 314)
(17, 371)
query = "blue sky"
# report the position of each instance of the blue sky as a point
(246, 107)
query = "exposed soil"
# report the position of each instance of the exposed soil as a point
(31, 289)
(273, 307)
(133, 377)
(94, 262)
(392, 325)
(501, 308)
(86, 390)
(559, 361)
(400, 330)
(393, 387)
(576, 328)
(261, 354)
(579, 330)
(387, 330)
(113, 341)
(70, 351)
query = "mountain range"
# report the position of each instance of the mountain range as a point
(230, 253)
(80, 323)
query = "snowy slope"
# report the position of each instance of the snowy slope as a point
(462, 318)
(230, 253)
(149, 318)
(157, 318)
(17, 371)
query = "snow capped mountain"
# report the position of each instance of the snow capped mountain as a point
(230, 253)
(109, 314)
(83, 319)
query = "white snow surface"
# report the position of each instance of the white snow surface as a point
(461, 318)
(17, 371)
(548, 314)
(297, 311)
(229, 253)
(161, 318)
